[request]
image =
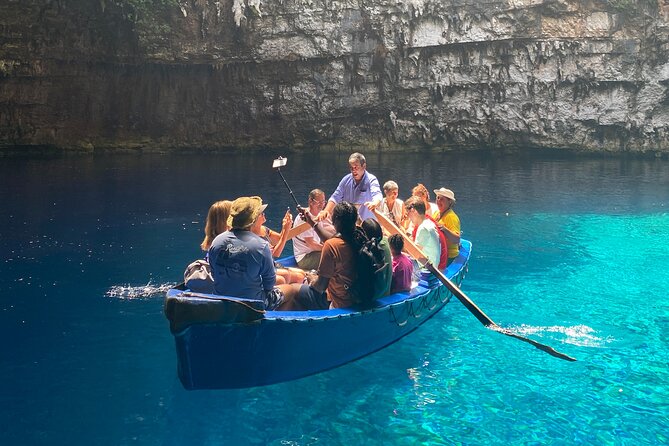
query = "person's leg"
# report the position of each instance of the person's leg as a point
(282, 276)
(310, 299)
(289, 275)
(290, 302)
(310, 261)
(296, 275)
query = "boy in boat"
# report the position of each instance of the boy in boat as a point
(443, 243)
(426, 233)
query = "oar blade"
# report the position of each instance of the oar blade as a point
(550, 350)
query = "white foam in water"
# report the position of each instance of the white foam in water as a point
(580, 335)
(137, 292)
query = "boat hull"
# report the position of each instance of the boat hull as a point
(282, 346)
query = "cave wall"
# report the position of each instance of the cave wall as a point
(327, 74)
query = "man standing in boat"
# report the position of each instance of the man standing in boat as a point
(358, 187)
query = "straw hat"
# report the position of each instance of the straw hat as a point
(244, 211)
(447, 193)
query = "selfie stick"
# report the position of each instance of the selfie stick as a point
(278, 163)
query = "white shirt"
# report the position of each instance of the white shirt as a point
(300, 247)
(428, 239)
(395, 213)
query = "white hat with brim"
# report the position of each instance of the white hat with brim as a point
(446, 193)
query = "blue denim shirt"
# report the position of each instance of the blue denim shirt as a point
(367, 190)
(241, 265)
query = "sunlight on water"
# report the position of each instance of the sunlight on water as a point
(579, 335)
(140, 291)
(572, 253)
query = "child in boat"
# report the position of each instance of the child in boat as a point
(402, 265)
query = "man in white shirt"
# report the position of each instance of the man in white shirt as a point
(307, 246)
(427, 237)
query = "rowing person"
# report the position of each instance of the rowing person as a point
(426, 234)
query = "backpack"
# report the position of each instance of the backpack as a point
(371, 267)
(197, 277)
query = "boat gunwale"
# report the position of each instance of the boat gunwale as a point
(386, 303)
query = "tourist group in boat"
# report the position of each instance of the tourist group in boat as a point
(344, 257)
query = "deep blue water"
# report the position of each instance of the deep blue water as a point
(571, 252)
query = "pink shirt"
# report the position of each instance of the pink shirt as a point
(402, 270)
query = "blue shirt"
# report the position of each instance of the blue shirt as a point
(241, 265)
(367, 189)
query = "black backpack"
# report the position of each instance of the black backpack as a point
(371, 264)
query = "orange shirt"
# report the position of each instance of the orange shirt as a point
(338, 262)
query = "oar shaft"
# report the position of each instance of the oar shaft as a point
(462, 297)
(418, 254)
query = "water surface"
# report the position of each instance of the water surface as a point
(571, 252)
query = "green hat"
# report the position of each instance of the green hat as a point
(244, 211)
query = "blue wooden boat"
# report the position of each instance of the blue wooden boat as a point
(224, 342)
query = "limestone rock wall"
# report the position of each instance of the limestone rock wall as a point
(351, 74)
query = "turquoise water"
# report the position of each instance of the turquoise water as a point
(570, 252)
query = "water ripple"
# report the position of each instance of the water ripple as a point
(139, 291)
(580, 335)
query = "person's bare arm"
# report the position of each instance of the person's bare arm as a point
(327, 212)
(323, 233)
(312, 243)
(283, 236)
(452, 237)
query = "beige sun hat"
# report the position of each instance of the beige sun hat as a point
(447, 193)
(244, 211)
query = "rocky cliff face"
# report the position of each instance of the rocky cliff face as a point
(343, 74)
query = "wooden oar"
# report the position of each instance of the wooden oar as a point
(418, 254)
(297, 230)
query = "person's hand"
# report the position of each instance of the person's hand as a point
(305, 216)
(371, 205)
(322, 215)
(311, 277)
(287, 221)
